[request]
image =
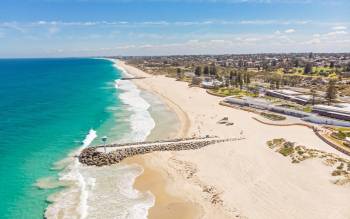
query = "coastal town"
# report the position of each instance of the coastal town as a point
(312, 87)
(175, 109)
(264, 140)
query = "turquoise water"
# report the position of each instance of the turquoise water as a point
(47, 107)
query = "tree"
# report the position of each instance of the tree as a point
(198, 71)
(274, 63)
(308, 68)
(332, 65)
(247, 78)
(313, 94)
(213, 70)
(239, 80)
(311, 55)
(296, 63)
(233, 78)
(348, 67)
(277, 84)
(265, 65)
(178, 73)
(206, 70)
(331, 92)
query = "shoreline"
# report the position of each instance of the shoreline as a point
(154, 180)
(228, 180)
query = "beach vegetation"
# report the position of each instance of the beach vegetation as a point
(286, 151)
(308, 68)
(307, 109)
(341, 135)
(206, 70)
(331, 92)
(300, 153)
(273, 117)
(226, 91)
(198, 71)
(341, 166)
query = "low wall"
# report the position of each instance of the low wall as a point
(214, 94)
(337, 147)
(289, 124)
(245, 108)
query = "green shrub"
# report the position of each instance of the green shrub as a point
(286, 151)
(339, 135)
(273, 117)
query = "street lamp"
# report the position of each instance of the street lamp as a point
(104, 139)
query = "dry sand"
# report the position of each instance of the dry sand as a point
(243, 179)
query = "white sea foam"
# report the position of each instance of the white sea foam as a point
(141, 120)
(107, 192)
(72, 202)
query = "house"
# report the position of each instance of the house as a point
(211, 83)
(293, 96)
(189, 74)
(282, 93)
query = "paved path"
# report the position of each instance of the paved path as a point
(113, 147)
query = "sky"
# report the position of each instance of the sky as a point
(74, 28)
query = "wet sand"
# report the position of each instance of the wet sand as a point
(153, 179)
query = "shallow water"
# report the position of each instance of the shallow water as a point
(50, 110)
(47, 108)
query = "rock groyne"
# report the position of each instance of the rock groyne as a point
(92, 157)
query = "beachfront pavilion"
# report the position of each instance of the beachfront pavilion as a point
(293, 96)
(338, 111)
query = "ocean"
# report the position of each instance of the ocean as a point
(52, 108)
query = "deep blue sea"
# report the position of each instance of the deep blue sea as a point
(47, 107)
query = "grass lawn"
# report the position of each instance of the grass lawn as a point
(273, 117)
(224, 91)
(343, 129)
(323, 71)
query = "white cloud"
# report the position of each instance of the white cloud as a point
(13, 25)
(335, 33)
(217, 41)
(313, 41)
(278, 22)
(339, 28)
(290, 31)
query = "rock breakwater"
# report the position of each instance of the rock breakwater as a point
(92, 157)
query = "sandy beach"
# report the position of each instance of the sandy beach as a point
(243, 179)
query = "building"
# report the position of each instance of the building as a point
(262, 104)
(282, 93)
(265, 105)
(189, 74)
(326, 121)
(211, 83)
(338, 111)
(293, 96)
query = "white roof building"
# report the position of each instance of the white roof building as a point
(339, 111)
